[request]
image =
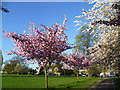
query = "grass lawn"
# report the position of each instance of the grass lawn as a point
(117, 82)
(31, 81)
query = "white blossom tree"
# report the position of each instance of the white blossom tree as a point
(105, 15)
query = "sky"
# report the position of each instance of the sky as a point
(46, 13)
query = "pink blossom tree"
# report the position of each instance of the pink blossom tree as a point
(44, 46)
(76, 62)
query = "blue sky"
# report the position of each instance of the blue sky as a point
(46, 13)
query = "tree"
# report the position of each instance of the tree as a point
(76, 62)
(1, 60)
(109, 47)
(84, 40)
(9, 67)
(12, 63)
(108, 51)
(21, 69)
(44, 46)
(106, 17)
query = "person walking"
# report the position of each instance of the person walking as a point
(101, 75)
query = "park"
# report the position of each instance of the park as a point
(29, 81)
(81, 50)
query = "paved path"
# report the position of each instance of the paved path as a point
(106, 84)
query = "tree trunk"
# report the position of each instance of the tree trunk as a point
(89, 72)
(46, 78)
(77, 76)
(18, 73)
(64, 72)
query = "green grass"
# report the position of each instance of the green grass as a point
(30, 81)
(117, 82)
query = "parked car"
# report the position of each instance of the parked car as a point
(106, 75)
(95, 75)
(84, 75)
(112, 75)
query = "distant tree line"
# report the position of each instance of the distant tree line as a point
(15, 66)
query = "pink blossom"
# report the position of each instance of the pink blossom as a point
(41, 45)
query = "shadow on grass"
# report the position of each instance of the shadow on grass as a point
(70, 86)
(117, 83)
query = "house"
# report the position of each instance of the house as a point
(82, 71)
(54, 71)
